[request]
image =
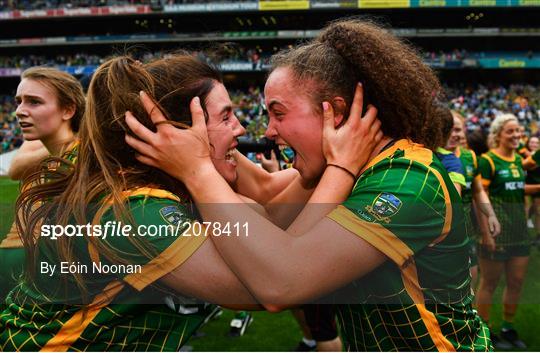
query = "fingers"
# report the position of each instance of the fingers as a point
(151, 108)
(358, 103)
(138, 145)
(272, 155)
(370, 116)
(197, 113)
(328, 116)
(146, 160)
(138, 129)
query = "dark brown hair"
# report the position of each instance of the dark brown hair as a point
(106, 165)
(395, 79)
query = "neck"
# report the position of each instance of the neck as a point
(453, 150)
(57, 142)
(505, 151)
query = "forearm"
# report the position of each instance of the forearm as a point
(323, 200)
(482, 203)
(531, 189)
(260, 243)
(287, 205)
(258, 184)
(276, 267)
(26, 159)
(482, 219)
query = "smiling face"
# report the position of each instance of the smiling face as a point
(293, 122)
(39, 114)
(223, 131)
(533, 143)
(509, 136)
(455, 135)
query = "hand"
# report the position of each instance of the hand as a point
(489, 243)
(494, 226)
(350, 145)
(270, 165)
(178, 152)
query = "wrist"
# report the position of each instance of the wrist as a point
(344, 169)
(340, 172)
(200, 177)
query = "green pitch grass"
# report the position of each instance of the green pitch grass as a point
(279, 332)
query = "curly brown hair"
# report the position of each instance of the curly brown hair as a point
(395, 79)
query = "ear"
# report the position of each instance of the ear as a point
(339, 105)
(69, 112)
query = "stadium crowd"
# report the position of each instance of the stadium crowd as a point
(224, 53)
(9, 5)
(479, 105)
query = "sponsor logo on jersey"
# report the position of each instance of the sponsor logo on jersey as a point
(514, 185)
(385, 206)
(171, 214)
(504, 173)
(469, 170)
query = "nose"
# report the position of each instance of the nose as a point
(20, 111)
(238, 129)
(271, 131)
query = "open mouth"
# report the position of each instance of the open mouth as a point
(287, 153)
(230, 156)
(25, 125)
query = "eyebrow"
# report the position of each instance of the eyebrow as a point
(273, 103)
(226, 109)
(28, 96)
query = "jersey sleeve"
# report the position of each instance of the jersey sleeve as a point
(486, 169)
(475, 163)
(399, 210)
(159, 240)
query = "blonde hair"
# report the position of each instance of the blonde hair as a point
(496, 127)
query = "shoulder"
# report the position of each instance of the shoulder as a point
(412, 172)
(154, 206)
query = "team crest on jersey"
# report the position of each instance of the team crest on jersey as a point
(385, 206)
(171, 214)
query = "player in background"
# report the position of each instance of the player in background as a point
(503, 179)
(532, 202)
(473, 194)
(50, 105)
(448, 159)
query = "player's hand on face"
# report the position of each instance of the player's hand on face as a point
(350, 145)
(178, 152)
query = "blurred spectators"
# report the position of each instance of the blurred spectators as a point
(479, 104)
(9, 5)
(10, 131)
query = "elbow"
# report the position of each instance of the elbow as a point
(278, 299)
(13, 174)
(276, 308)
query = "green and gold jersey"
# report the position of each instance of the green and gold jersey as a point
(505, 180)
(533, 176)
(125, 310)
(12, 239)
(419, 300)
(469, 164)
